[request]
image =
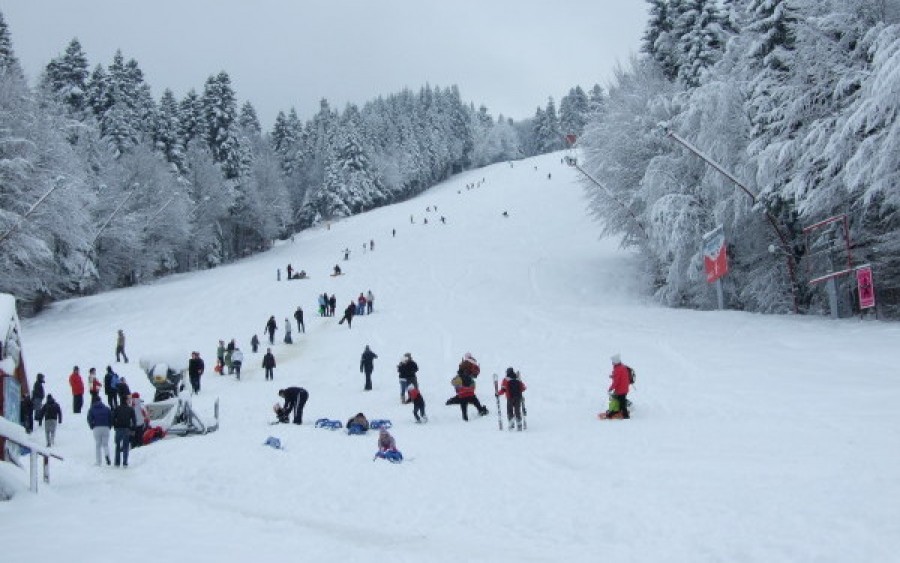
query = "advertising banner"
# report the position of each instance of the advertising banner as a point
(866, 287)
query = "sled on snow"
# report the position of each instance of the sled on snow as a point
(329, 424)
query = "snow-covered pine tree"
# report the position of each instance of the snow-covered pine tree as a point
(248, 120)
(65, 78)
(220, 118)
(166, 137)
(191, 121)
(8, 60)
(596, 102)
(574, 109)
(701, 39)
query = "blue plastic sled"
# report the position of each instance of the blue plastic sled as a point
(393, 456)
(329, 424)
(380, 423)
(273, 442)
(356, 430)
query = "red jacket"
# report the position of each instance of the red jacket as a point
(76, 383)
(504, 387)
(463, 391)
(413, 393)
(620, 380)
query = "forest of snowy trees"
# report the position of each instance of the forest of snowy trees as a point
(103, 186)
(798, 99)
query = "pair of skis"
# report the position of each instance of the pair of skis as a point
(500, 416)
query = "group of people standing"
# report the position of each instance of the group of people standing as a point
(124, 413)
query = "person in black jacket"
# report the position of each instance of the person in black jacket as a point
(110, 383)
(298, 315)
(26, 414)
(52, 417)
(348, 315)
(195, 370)
(268, 364)
(271, 327)
(367, 365)
(124, 422)
(407, 370)
(37, 398)
(124, 391)
(294, 400)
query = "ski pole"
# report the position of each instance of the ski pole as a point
(497, 396)
(524, 414)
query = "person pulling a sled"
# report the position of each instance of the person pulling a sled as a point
(619, 387)
(513, 387)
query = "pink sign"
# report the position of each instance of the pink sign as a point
(866, 287)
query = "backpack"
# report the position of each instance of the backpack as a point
(514, 388)
(113, 381)
(631, 375)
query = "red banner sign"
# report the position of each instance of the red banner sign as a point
(866, 287)
(715, 259)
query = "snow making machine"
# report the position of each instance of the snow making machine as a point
(170, 409)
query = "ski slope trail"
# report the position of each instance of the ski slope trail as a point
(754, 438)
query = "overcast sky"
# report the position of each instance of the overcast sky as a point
(509, 55)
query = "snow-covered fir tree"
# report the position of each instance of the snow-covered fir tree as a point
(701, 39)
(65, 77)
(220, 118)
(166, 134)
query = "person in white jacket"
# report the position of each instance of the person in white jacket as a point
(141, 417)
(287, 331)
(237, 359)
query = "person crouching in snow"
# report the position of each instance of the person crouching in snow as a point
(418, 403)
(387, 447)
(621, 380)
(513, 387)
(465, 395)
(294, 400)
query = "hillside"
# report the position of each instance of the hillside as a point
(753, 438)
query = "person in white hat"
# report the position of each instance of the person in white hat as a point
(619, 387)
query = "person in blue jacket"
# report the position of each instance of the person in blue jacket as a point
(99, 418)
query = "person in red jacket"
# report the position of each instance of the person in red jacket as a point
(77, 385)
(465, 395)
(94, 384)
(621, 380)
(513, 387)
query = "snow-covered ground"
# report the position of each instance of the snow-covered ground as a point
(753, 438)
